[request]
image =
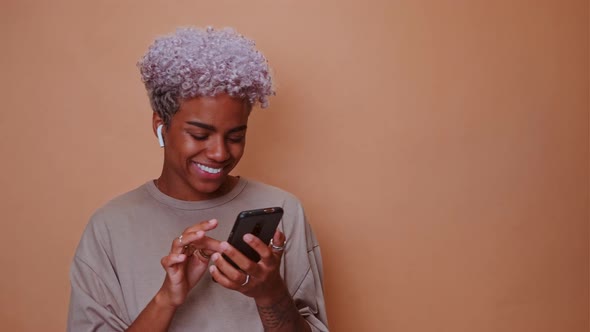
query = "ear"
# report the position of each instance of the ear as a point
(158, 128)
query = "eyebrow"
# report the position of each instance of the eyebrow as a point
(212, 128)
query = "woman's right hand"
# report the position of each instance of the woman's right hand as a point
(187, 262)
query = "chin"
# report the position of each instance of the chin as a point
(209, 187)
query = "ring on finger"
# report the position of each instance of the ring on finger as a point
(247, 280)
(203, 254)
(277, 248)
(180, 239)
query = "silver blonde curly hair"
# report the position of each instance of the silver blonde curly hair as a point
(196, 62)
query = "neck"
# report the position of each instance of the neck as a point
(185, 192)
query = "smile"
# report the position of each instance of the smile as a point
(209, 169)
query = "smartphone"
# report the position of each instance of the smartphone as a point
(261, 223)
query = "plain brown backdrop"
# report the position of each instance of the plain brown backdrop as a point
(441, 149)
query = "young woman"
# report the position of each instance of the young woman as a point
(202, 85)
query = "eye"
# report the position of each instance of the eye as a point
(236, 139)
(199, 137)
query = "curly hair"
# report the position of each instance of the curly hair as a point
(196, 62)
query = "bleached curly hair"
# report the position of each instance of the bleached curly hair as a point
(196, 62)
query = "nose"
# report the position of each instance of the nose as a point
(217, 150)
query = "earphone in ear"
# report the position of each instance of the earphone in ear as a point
(160, 138)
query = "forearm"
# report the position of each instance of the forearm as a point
(281, 314)
(156, 317)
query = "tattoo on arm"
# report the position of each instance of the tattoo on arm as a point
(281, 316)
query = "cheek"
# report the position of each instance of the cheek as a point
(190, 146)
(185, 150)
(237, 151)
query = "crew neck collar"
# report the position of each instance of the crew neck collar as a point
(195, 205)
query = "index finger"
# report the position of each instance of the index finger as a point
(191, 234)
(206, 225)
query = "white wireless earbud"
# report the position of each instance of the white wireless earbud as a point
(160, 138)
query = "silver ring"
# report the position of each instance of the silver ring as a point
(278, 248)
(247, 280)
(180, 239)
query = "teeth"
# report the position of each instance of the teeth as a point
(209, 169)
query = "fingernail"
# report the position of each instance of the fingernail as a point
(215, 257)
(212, 221)
(200, 233)
(211, 268)
(248, 237)
(181, 256)
(224, 245)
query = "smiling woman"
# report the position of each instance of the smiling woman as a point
(202, 85)
(204, 141)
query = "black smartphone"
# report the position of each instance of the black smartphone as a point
(261, 223)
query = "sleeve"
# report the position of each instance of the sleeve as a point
(303, 271)
(96, 300)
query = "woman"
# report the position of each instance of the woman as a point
(202, 85)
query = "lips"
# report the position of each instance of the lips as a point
(207, 169)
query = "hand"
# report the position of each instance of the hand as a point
(186, 262)
(260, 280)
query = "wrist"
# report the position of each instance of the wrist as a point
(163, 302)
(273, 295)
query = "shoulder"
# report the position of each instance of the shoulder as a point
(124, 204)
(294, 220)
(119, 211)
(263, 195)
(111, 218)
(270, 194)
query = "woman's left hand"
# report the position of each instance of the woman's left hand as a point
(260, 280)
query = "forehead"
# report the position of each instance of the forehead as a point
(219, 111)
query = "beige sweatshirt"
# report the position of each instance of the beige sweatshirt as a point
(116, 269)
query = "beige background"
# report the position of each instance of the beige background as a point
(441, 149)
